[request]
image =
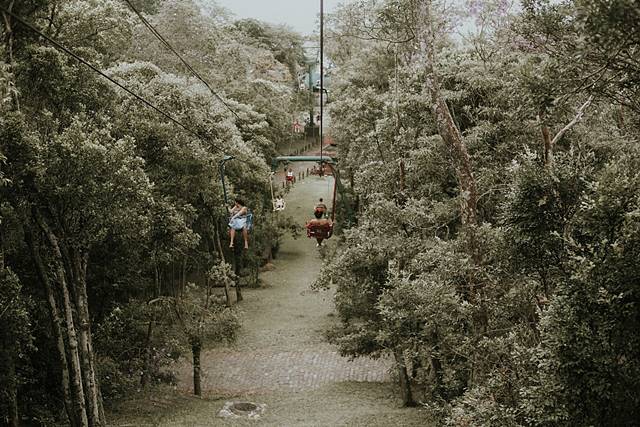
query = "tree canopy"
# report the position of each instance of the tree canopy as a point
(494, 174)
(111, 211)
(491, 154)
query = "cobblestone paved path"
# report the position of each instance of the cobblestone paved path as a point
(298, 370)
(281, 345)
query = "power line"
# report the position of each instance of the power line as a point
(95, 69)
(186, 64)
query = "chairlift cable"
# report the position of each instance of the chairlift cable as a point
(186, 64)
(98, 71)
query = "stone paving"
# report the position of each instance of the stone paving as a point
(281, 344)
(305, 369)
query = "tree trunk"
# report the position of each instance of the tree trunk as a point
(183, 281)
(450, 134)
(196, 348)
(11, 388)
(447, 128)
(78, 396)
(1, 250)
(8, 354)
(405, 381)
(436, 368)
(56, 322)
(144, 379)
(548, 149)
(550, 144)
(8, 32)
(620, 118)
(76, 370)
(79, 265)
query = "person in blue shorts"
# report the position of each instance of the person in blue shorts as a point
(238, 221)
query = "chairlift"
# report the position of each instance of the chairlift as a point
(318, 228)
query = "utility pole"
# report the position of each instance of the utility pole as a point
(321, 75)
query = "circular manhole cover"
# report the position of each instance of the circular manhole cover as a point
(240, 409)
(243, 407)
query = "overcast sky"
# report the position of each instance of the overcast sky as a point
(301, 15)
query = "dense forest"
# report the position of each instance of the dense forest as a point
(109, 207)
(496, 251)
(494, 172)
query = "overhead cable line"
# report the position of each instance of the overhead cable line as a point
(95, 69)
(186, 64)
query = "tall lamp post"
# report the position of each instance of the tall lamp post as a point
(224, 188)
(310, 62)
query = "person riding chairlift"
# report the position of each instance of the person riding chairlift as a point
(238, 221)
(279, 204)
(320, 207)
(320, 228)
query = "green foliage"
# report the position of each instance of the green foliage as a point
(424, 317)
(135, 197)
(253, 68)
(591, 42)
(132, 341)
(147, 6)
(203, 319)
(15, 338)
(98, 29)
(285, 45)
(521, 320)
(538, 212)
(530, 318)
(588, 335)
(98, 179)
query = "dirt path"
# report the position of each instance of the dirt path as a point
(281, 357)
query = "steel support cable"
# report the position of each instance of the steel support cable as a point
(95, 69)
(184, 62)
(168, 45)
